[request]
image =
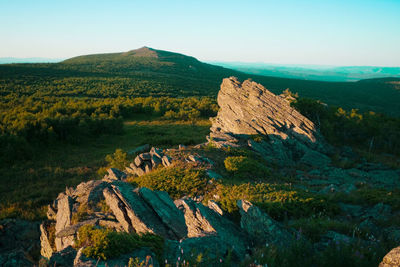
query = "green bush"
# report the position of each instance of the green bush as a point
(279, 201)
(242, 166)
(177, 181)
(101, 243)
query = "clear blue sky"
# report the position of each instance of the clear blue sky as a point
(329, 32)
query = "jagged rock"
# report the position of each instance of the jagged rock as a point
(166, 161)
(202, 221)
(166, 210)
(115, 174)
(73, 229)
(46, 248)
(139, 149)
(155, 161)
(392, 259)
(261, 227)
(132, 212)
(215, 207)
(64, 214)
(138, 161)
(89, 193)
(118, 208)
(145, 156)
(157, 152)
(249, 109)
(63, 258)
(136, 170)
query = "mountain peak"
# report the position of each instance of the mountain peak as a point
(142, 52)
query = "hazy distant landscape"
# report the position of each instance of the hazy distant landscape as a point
(314, 72)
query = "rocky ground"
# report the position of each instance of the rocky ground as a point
(198, 227)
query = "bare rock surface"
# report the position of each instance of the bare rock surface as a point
(248, 109)
(261, 227)
(392, 259)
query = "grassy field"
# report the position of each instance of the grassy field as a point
(27, 187)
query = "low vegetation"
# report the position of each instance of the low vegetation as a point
(103, 244)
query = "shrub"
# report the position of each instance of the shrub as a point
(278, 201)
(117, 160)
(242, 166)
(101, 243)
(177, 181)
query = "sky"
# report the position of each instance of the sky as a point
(321, 32)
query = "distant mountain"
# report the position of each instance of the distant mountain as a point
(314, 72)
(10, 60)
(151, 72)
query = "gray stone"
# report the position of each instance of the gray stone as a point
(46, 248)
(202, 221)
(166, 210)
(138, 161)
(215, 207)
(132, 212)
(155, 161)
(64, 215)
(145, 156)
(261, 227)
(115, 174)
(166, 161)
(157, 152)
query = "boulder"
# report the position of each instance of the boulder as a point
(115, 174)
(46, 248)
(133, 212)
(261, 227)
(166, 161)
(392, 259)
(248, 109)
(64, 214)
(166, 210)
(202, 221)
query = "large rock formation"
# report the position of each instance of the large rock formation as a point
(185, 225)
(248, 109)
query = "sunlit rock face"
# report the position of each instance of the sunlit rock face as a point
(248, 109)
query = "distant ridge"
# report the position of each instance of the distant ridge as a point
(151, 72)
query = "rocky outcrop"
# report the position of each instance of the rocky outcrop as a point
(248, 109)
(185, 224)
(261, 227)
(145, 162)
(392, 259)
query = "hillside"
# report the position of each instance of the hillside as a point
(151, 72)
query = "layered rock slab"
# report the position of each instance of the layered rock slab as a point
(248, 109)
